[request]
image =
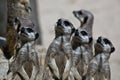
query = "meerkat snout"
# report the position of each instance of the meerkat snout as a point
(76, 33)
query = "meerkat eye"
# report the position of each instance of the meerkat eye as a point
(67, 23)
(29, 30)
(107, 41)
(83, 33)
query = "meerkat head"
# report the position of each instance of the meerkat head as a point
(104, 45)
(81, 36)
(22, 22)
(63, 27)
(82, 15)
(27, 34)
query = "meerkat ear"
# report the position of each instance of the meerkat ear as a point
(112, 50)
(36, 35)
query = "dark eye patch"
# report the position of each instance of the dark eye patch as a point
(29, 30)
(84, 33)
(80, 12)
(106, 41)
(99, 40)
(67, 23)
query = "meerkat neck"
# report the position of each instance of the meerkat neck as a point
(88, 19)
(66, 38)
(63, 38)
(75, 44)
(27, 43)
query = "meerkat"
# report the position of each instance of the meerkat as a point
(99, 68)
(25, 53)
(10, 41)
(81, 54)
(59, 54)
(86, 19)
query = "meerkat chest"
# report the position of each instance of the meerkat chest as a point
(62, 47)
(76, 55)
(101, 60)
(27, 51)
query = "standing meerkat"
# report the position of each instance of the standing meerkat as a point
(99, 68)
(59, 54)
(25, 53)
(81, 56)
(86, 19)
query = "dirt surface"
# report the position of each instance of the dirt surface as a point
(106, 23)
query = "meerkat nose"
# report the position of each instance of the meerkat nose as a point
(76, 33)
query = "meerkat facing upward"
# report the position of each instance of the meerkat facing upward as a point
(86, 19)
(10, 41)
(59, 54)
(81, 54)
(25, 54)
(99, 68)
